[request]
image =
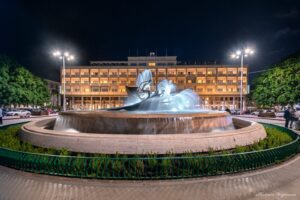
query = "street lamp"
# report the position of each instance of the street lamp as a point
(241, 54)
(63, 57)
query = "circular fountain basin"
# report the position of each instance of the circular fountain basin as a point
(184, 138)
(124, 122)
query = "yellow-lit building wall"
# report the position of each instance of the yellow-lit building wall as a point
(98, 87)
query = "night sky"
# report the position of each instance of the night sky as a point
(111, 30)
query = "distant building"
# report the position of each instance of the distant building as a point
(103, 83)
(54, 88)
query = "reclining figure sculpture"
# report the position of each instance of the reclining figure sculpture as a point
(163, 98)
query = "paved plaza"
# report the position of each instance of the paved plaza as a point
(278, 182)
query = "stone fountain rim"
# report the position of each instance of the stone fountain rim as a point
(128, 114)
(36, 134)
(41, 129)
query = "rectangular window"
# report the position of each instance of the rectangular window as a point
(104, 89)
(95, 89)
(151, 64)
(123, 74)
(114, 89)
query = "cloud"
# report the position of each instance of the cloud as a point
(293, 13)
(286, 32)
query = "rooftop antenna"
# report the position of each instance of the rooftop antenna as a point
(137, 51)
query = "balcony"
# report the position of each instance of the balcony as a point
(231, 74)
(180, 83)
(191, 84)
(75, 75)
(113, 75)
(85, 75)
(212, 74)
(231, 83)
(221, 83)
(210, 82)
(75, 83)
(171, 75)
(85, 83)
(201, 83)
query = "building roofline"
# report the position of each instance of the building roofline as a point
(147, 67)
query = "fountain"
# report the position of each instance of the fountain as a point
(156, 120)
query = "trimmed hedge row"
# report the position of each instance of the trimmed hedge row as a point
(150, 166)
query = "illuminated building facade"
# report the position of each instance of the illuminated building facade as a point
(103, 83)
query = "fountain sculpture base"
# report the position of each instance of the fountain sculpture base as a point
(39, 134)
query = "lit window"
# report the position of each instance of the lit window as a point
(114, 89)
(151, 64)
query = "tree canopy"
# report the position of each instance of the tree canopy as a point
(20, 86)
(280, 85)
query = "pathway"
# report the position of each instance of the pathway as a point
(278, 182)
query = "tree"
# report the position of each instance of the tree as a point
(6, 65)
(20, 86)
(280, 85)
(41, 92)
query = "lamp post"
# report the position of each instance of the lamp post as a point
(241, 54)
(63, 57)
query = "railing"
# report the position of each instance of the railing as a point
(151, 167)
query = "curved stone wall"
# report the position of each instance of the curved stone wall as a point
(37, 134)
(123, 122)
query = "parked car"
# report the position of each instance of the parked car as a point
(39, 111)
(235, 112)
(21, 113)
(266, 113)
(279, 114)
(5, 111)
(255, 113)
